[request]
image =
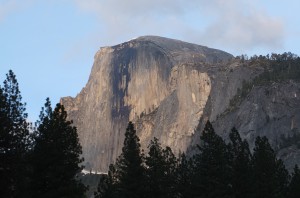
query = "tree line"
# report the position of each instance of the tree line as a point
(277, 68)
(42, 161)
(45, 161)
(219, 169)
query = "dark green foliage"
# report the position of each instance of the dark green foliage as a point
(264, 167)
(50, 159)
(240, 161)
(104, 188)
(90, 180)
(282, 178)
(107, 187)
(218, 170)
(56, 156)
(270, 175)
(184, 177)
(129, 167)
(161, 168)
(130, 178)
(212, 165)
(277, 68)
(294, 187)
(240, 95)
(14, 140)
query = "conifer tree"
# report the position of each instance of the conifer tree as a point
(129, 167)
(161, 170)
(56, 156)
(14, 134)
(171, 164)
(282, 177)
(212, 165)
(107, 187)
(294, 187)
(270, 175)
(240, 161)
(184, 177)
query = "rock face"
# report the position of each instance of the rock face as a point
(152, 81)
(167, 87)
(271, 111)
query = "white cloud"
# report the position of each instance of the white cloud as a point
(238, 25)
(243, 25)
(130, 18)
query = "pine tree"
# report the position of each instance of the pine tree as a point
(107, 187)
(241, 165)
(264, 167)
(56, 156)
(212, 166)
(184, 176)
(294, 187)
(282, 178)
(161, 169)
(171, 164)
(129, 167)
(270, 175)
(14, 134)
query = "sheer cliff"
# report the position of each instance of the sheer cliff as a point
(166, 87)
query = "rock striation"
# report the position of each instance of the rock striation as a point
(169, 88)
(152, 81)
(271, 111)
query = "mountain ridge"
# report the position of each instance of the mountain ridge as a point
(163, 85)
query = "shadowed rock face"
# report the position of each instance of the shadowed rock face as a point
(272, 111)
(159, 83)
(166, 87)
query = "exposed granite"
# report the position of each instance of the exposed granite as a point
(152, 81)
(166, 87)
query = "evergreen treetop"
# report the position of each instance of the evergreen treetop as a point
(161, 169)
(14, 139)
(270, 175)
(56, 156)
(129, 166)
(294, 187)
(212, 164)
(240, 162)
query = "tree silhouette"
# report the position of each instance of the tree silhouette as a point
(294, 187)
(107, 187)
(14, 136)
(270, 175)
(161, 169)
(212, 166)
(184, 176)
(240, 161)
(129, 167)
(56, 156)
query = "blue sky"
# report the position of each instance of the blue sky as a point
(50, 44)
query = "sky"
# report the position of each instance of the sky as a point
(50, 44)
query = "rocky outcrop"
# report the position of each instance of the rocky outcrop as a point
(169, 88)
(271, 111)
(161, 84)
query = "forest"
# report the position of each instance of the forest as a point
(277, 68)
(45, 159)
(219, 169)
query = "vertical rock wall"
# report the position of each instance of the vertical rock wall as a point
(150, 81)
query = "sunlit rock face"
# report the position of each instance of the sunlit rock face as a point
(160, 84)
(169, 89)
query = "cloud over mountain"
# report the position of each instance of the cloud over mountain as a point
(234, 24)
